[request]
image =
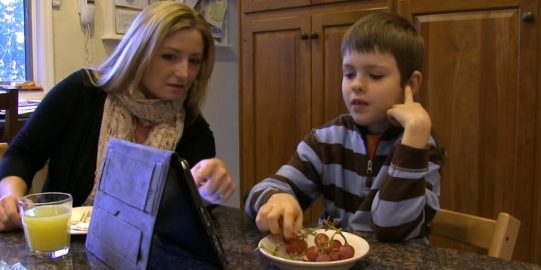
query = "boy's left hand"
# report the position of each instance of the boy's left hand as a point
(413, 118)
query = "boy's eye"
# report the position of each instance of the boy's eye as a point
(376, 76)
(348, 74)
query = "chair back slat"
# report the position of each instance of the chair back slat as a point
(9, 101)
(498, 236)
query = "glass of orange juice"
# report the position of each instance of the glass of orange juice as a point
(46, 221)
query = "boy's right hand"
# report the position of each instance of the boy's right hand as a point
(9, 215)
(281, 214)
(413, 118)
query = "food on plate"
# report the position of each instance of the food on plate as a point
(326, 247)
(27, 85)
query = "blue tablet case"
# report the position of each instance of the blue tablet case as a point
(144, 192)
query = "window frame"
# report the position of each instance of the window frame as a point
(28, 36)
(41, 20)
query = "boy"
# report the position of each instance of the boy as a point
(376, 167)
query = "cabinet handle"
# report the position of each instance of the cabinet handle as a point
(528, 17)
(304, 36)
(314, 35)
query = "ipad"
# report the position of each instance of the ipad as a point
(183, 220)
(146, 194)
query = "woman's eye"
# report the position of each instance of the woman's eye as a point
(195, 61)
(168, 57)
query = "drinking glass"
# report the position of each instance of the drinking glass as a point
(46, 221)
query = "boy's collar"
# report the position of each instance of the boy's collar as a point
(390, 133)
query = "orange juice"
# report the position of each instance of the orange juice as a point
(47, 227)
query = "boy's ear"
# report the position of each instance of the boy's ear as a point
(415, 81)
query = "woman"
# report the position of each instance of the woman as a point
(148, 91)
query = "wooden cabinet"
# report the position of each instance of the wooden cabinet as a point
(291, 80)
(261, 5)
(482, 82)
(481, 90)
(265, 5)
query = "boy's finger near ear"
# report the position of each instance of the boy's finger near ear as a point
(408, 94)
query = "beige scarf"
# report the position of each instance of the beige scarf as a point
(166, 119)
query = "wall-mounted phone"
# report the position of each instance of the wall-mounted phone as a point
(86, 11)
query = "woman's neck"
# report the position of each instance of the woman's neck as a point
(141, 132)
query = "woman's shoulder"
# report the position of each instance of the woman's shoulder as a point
(195, 122)
(78, 81)
(80, 75)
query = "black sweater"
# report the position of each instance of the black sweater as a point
(65, 129)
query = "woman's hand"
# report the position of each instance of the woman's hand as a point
(9, 215)
(281, 214)
(11, 188)
(213, 180)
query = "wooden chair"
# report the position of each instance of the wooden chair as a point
(497, 236)
(9, 101)
(3, 148)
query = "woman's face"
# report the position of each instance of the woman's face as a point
(175, 65)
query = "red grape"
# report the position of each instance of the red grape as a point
(325, 249)
(312, 253)
(296, 246)
(335, 256)
(321, 240)
(346, 251)
(334, 245)
(322, 257)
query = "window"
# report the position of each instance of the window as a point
(15, 41)
(29, 21)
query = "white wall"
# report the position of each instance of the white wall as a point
(221, 109)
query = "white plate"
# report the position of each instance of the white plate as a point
(272, 241)
(78, 227)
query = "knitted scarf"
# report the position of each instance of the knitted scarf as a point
(120, 112)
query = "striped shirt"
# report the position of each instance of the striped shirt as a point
(395, 194)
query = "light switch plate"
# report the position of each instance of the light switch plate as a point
(56, 3)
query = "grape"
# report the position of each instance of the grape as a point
(312, 253)
(346, 251)
(296, 246)
(321, 240)
(325, 248)
(334, 245)
(322, 257)
(335, 256)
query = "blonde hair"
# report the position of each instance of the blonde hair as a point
(124, 68)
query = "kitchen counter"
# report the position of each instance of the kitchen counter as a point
(240, 237)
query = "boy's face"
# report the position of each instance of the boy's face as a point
(370, 86)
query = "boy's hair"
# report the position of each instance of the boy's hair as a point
(124, 68)
(387, 33)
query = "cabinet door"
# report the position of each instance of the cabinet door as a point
(315, 2)
(265, 5)
(480, 90)
(262, 5)
(327, 32)
(327, 103)
(275, 94)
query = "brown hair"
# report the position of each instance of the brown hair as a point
(387, 33)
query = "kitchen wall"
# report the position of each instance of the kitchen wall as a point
(72, 51)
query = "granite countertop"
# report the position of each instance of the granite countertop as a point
(240, 237)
